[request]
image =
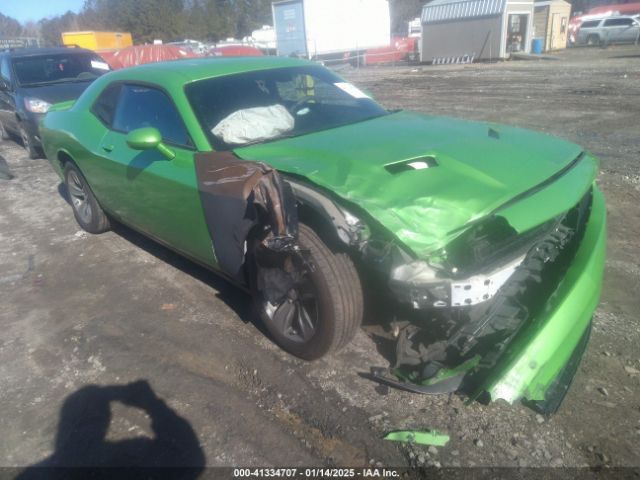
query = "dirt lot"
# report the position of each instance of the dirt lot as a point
(80, 310)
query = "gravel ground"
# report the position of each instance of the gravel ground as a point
(81, 310)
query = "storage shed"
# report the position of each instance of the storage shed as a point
(461, 31)
(551, 22)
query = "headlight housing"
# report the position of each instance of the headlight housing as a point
(35, 105)
(418, 283)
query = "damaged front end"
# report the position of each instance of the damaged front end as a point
(502, 313)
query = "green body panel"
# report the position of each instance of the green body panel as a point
(553, 200)
(156, 195)
(480, 169)
(427, 208)
(140, 188)
(421, 438)
(536, 357)
(58, 107)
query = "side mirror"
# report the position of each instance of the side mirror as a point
(148, 138)
(4, 86)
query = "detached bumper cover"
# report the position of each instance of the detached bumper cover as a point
(536, 357)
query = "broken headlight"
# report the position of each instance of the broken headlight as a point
(418, 284)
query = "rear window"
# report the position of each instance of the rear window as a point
(46, 69)
(590, 24)
(105, 106)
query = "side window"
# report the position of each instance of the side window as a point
(105, 106)
(618, 22)
(591, 24)
(141, 106)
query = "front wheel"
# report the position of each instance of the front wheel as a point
(29, 143)
(86, 209)
(323, 312)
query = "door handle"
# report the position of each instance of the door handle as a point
(107, 148)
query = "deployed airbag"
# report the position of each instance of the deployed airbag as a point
(254, 124)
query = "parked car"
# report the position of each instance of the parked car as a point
(486, 241)
(31, 79)
(605, 31)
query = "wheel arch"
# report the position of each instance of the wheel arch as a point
(320, 223)
(63, 157)
(595, 37)
(326, 218)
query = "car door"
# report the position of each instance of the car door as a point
(632, 33)
(145, 189)
(617, 29)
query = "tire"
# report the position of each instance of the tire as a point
(593, 40)
(339, 302)
(86, 209)
(28, 142)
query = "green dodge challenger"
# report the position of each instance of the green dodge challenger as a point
(486, 242)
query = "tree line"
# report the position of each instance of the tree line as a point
(147, 20)
(169, 20)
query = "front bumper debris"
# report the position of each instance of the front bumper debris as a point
(535, 359)
(518, 345)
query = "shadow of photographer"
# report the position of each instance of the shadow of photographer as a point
(81, 441)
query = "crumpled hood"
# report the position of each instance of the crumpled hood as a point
(479, 168)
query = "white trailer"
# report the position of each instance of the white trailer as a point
(321, 28)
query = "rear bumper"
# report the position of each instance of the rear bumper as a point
(537, 356)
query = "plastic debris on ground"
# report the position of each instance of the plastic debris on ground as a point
(434, 438)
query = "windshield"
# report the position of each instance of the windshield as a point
(265, 105)
(41, 70)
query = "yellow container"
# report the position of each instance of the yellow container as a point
(98, 40)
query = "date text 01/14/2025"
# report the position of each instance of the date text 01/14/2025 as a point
(315, 473)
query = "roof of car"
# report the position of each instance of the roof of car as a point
(36, 52)
(608, 17)
(193, 69)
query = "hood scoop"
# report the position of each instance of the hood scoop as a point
(418, 163)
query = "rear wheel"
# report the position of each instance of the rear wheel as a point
(88, 213)
(323, 312)
(593, 40)
(28, 142)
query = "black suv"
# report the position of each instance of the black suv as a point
(31, 79)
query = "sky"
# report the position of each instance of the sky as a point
(23, 10)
